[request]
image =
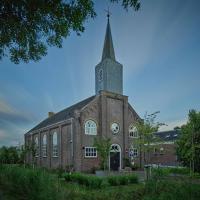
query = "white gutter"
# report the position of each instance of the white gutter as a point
(49, 126)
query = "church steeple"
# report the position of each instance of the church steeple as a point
(109, 72)
(108, 49)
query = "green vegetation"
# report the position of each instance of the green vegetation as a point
(9, 155)
(171, 190)
(102, 145)
(171, 170)
(95, 182)
(19, 183)
(17, 155)
(174, 171)
(146, 129)
(29, 184)
(27, 27)
(188, 149)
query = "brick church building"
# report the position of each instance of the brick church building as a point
(66, 138)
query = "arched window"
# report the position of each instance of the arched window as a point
(55, 144)
(36, 147)
(133, 152)
(90, 127)
(44, 145)
(133, 132)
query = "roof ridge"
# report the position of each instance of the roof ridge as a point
(62, 115)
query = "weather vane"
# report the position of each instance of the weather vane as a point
(108, 13)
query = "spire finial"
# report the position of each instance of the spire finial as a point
(108, 13)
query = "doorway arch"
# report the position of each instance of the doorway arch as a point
(115, 157)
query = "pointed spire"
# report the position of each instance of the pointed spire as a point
(108, 50)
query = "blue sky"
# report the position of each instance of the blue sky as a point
(159, 47)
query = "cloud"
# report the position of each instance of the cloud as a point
(13, 124)
(172, 124)
(3, 135)
(7, 112)
(11, 134)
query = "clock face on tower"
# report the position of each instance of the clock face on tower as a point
(114, 128)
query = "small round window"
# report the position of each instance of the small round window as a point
(115, 128)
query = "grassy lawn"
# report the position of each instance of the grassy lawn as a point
(18, 183)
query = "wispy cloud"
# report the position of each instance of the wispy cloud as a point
(172, 124)
(9, 113)
(13, 123)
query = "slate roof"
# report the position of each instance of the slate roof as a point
(63, 114)
(168, 135)
(108, 49)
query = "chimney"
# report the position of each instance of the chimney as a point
(50, 114)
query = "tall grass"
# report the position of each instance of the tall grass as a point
(171, 190)
(28, 184)
(23, 183)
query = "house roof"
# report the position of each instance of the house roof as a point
(63, 114)
(168, 135)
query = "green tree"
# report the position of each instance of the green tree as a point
(147, 129)
(13, 155)
(27, 27)
(4, 154)
(24, 150)
(102, 145)
(188, 145)
(9, 155)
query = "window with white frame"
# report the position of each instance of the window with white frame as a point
(55, 144)
(133, 152)
(90, 152)
(133, 132)
(36, 146)
(90, 127)
(44, 146)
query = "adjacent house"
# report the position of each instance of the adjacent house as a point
(164, 151)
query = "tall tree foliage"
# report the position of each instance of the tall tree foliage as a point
(9, 155)
(28, 27)
(188, 145)
(147, 129)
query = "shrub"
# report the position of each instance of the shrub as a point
(178, 170)
(67, 177)
(123, 180)
(82, 179)
(95, 182)
(28, 183)
(132, 178)
(158, 173)
(113, 180)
